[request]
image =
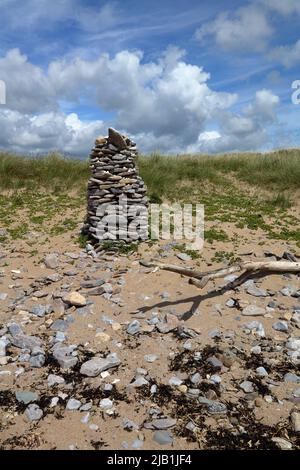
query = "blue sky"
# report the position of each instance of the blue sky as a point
(178, 76)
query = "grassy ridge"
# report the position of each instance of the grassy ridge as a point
(277, 171)
(49, 193)
(53, 171)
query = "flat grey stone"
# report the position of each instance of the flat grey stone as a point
(54, 380)
(247, 386)
(214, 362)
(150, 358)
(95, 366)
(139, 382)
(281, 325)
(59, 325)
(217, 408)
(26, 342)
(253, 311)
(37, 361)
(26, 397)
(63, 356)
(296, 392)
(92, 283)
(261, 371)
(33, 412)
(163, 437)
(60, 337)
(51, 261)
(106, 404)
(40, 310)
(164, 423)
(196, 378)
(290, 377)
(255, 291)
(257, 328)
(129, 425)
(137, 444)
(183, 256)
(86, 407)
(175, 381)
(73, 404)
(134, 327)
(15, 329)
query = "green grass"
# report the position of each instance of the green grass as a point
(52, 172)
(250, 190)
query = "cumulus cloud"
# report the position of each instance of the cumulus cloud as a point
(246, 29)
(164, 105)
(28, 88)
(49, 131)
(285, 7)
(289, 56)
(246, 131)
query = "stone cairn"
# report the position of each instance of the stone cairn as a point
(117, 201)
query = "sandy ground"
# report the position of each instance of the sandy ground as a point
(251, 420)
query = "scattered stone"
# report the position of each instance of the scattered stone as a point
(92, 283)
(283, 444)
(33, 412)
(257, 328)
(290, 377)
(59, 325)
(295, 420)
(247, 386)
(137, 444)
(261, 371)
(129, 425)
(253, 311)
(23, 341)
(163, 437)
(76, 299)
(54, 380)
(281, 325)
(183, 256)
(134, 327)
(163, 423)
(214, 362)
(255, 291)
(26, 397)
(175, 381)
(51, 261)
(106, 404)
(73, 404)
(150, 358)
(95, 366)
(63, 355)
(170, 323)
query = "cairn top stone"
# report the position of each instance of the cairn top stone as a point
(116, 139)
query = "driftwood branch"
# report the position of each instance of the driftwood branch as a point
(200, 279)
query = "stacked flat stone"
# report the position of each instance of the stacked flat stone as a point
(115, 175)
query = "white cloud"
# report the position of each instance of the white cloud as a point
(28, 88)
(285, 7)
(289, 56)
(246, 29)
(164, 105)
(50, 131)
(240, 132)
(264, 106)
